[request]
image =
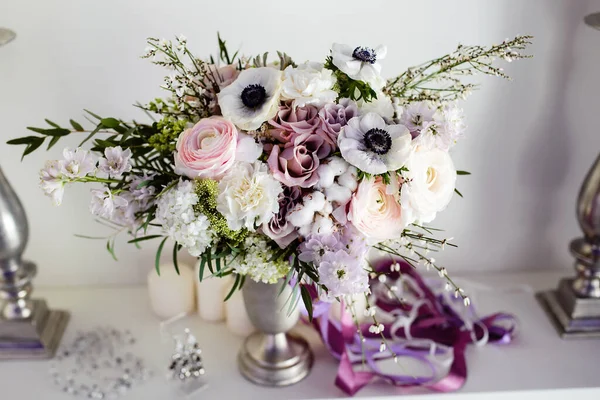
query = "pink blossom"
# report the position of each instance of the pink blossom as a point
(207, 150)
(296, 164)
(293, 121)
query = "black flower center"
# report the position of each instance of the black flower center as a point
(378, 141)
(364, 54)
(253, 95)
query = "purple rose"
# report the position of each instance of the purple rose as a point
(291, 122)
(333, 117)
(296, 164)
(278, 228)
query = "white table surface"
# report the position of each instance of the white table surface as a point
(538, 365)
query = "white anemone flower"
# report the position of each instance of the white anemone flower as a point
(373, 146)
(360, 63)
(253, 98)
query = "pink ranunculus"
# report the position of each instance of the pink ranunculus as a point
(207, 150)
(293, 121)
(375, 210)
(333, 117)
(296, 164)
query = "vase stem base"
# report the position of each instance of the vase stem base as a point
(275, 360)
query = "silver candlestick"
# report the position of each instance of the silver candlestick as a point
(28, 329)
(574, 306)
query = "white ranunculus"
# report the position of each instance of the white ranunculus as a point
(248, 195)
(382, 105)
(429, 185)
(360, 63)
(253, 98)
(309, 83)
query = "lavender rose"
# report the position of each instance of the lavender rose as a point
(278, 228)
(333, 117)
(296, 164)
(291, 122)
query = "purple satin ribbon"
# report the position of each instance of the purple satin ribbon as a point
(435, 320)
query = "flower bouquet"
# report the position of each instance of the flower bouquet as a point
(277, 171)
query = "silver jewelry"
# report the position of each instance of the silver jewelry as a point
(98, 364)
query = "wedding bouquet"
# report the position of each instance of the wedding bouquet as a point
(272, 170)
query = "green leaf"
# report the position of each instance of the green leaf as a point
(50, 132)
(209, 261)
(110, 246)
(218, 264)
(143, 184)
(92, 133)
(54, 140)
(288, 277)
(157, 258)
(175, 263)
(32, 147)
(140, 239)
(92, 114)
(307, 301)
(458, 193)
(110, 122)
(201, 269)
(233, 287)
(76, 126)
(22, 140)
(462, 173)
(52, 123)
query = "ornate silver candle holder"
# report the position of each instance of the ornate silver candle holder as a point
(574, 306)
(28, 329)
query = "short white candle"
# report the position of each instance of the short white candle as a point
(210, 296)
(171, 294)
(237, 317)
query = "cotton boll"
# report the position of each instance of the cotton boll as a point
(326, 175)
(303, 214)
(338, 193)
(323, 225)
(348, 179)
(327, 208)
(338, 165)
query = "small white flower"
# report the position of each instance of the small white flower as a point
(382, 347)
(373, 146)
(253, 98)
(104, 203)
(382, 278)
(52, 181)
(248, 195)
(360, 63)
(309, 83)
(467, 301)
(442, 272)
(429, 186)
(342, 274)
(115, 161)
(77, 163)
(175, 212)
(257, 263)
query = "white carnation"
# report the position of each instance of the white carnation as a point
(175, 212)
(248, 195)
(309, 83)
(429, 185)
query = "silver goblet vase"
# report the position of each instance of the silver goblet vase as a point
(271, 356)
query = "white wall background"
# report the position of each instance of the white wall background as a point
(529, 142)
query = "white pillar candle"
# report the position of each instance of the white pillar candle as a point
(171, 294)
(237, 318)
(210, 296)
